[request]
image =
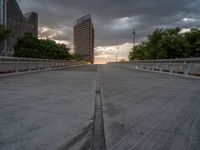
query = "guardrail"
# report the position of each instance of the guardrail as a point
(187, 66)
(15, 64)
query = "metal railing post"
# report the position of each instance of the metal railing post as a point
(188, 68)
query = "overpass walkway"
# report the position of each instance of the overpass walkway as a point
(141, 110)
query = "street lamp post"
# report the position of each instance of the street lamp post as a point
(117, 49)
(134, 33)
(106, 59)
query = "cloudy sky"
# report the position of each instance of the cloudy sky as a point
(113, 19)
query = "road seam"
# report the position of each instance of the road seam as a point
(99, 142)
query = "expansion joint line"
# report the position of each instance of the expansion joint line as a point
(98, 142)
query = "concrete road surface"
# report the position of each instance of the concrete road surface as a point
(47, 110)
(149, 111)
(141, 110)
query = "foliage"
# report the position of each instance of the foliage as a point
(31, 47)
(77, 57)
(168, 44)
(193, 40)
(4, 32)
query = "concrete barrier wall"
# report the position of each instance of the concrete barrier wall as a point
(187, 67)
(14, 64)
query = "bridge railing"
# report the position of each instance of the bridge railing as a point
(188, 66)
(14, 64)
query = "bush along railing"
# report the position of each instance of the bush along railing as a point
(187, 66)
(14, 64)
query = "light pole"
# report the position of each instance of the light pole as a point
(134, 33)
(106, 59)
(117, 49)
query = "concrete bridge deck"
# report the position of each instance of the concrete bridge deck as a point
(46, 110)
(141, 110)
(150, 111)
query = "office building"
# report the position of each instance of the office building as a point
(84, 38)
(18, 23)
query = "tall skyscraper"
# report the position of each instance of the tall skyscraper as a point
(84, 38)
(11, 16)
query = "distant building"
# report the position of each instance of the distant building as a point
(12, 17)
(84, 38)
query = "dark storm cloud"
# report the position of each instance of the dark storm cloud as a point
(114, 19)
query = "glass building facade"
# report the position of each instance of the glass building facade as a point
(3, 12)
(18, 23)
(84, 38)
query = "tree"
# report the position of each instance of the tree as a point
(172, 44)
(193, 39)
(77, 57)
(168, 44)
(27, 46)
(4, 34)
(138, 52)
(31, 47)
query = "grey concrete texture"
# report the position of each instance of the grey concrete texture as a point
(149, 111)
(141, 110)
(47, 110)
